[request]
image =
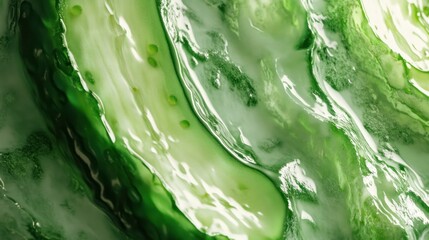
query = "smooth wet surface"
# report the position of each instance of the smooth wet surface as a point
(324, 100)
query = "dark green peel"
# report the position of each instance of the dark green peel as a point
(77, 126)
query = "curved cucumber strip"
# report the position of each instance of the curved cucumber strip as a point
(226, 54)
(301, 120)
(111, 74)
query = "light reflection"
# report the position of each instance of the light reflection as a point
(306, 216)
(127, 29)
(136, 54)
(1, 181)
(289, 87)
(347, 112)
(182, 170)
(231, 209)
(243, 138)
(108, 128)
(420, 88)
(291, 175)
(134, 136)
(293, 178)
(394, 22)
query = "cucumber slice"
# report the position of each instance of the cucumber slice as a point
(109, 84)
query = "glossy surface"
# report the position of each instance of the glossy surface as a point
(248, 119)
(214, 191)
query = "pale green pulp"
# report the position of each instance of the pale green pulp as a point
(134, 83)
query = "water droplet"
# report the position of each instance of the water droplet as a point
(76, 10)
(185, 124)
(152, 62)
(152, 49)
(172, 100)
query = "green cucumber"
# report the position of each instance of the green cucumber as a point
(104, 75)
(240, 119)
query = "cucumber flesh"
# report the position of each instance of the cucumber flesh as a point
(121, 87)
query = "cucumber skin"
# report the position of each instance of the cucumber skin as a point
(73, 114)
